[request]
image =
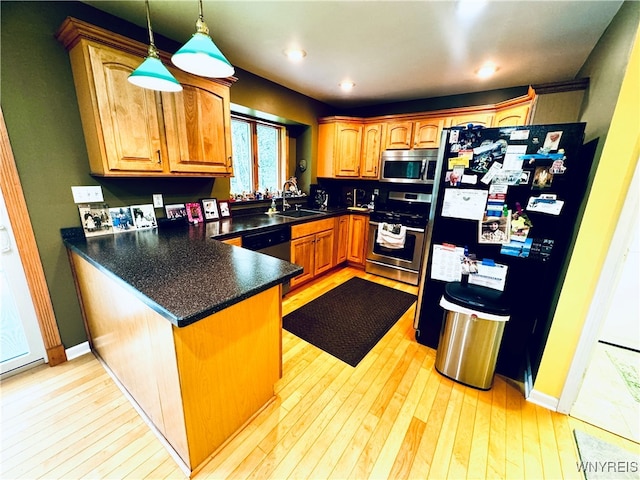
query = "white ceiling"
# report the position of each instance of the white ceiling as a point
(392, 50)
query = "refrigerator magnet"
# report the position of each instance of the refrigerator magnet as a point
(494, 230)
(552, 141)
(542, 178)
(557, 167)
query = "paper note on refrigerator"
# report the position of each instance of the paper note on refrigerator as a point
(445, 263)
(464, 203)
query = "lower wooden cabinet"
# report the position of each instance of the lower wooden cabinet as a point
(312, 247)
(237, 241)
(341, 238)
(357, 245)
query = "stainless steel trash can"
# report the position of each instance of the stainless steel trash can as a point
(471, 334)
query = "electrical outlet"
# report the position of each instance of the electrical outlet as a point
(87, 194)
(157, 200)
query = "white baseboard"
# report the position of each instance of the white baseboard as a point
(544, 400)
(78, 350)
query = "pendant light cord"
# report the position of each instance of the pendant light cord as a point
(153, 51)
(201, 25)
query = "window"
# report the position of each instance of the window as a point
(258, 155)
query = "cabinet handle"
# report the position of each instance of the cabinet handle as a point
(159, 157)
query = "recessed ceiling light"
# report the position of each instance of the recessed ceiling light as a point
(295, 55)
(346, 85)
(486, 70)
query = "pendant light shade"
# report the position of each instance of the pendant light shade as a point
(151, 73)
(200, 55)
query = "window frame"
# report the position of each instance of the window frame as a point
(282, 139)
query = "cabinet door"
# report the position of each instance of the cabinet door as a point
(342, 238)
(323, 251)
(484, 119)
(371, 146)
(426, 133)
(513, 116)
(302, 253)
(348, 149)
(198, 129)
(358, 225)
(237, 241)
(128, 131)
(398, 135)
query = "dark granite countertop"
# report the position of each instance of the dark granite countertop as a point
(232, 227)
(181, 272)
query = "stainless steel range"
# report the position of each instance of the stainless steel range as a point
(396, 236)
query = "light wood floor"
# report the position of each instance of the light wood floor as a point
(392, 416)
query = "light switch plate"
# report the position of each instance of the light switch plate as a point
(157, 200)
(86, 194)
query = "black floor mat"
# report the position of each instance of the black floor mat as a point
(350, 319)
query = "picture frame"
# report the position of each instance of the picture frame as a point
(176, 211)
(225, 209)
(210, 209)
(95, 219)
(122, 219)
(495, 229)
(144, 216)
(194, 212)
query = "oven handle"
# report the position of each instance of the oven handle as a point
(409, 229)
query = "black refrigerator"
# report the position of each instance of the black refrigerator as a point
(506, 208)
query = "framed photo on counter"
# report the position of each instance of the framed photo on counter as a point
(95, 219)
(194, 212)
(225, 209)
(144, 216)
(210, 209)
(176, 211)
(122, 219)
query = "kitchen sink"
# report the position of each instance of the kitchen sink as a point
(300, 213)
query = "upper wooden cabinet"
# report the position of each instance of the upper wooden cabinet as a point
(338, 143)
(198, 126)
(398, 135)
(348, 149)
(512, 116)
(427, 132)
(404, 135)
(480, 118)
(131, 131)
(371, 149)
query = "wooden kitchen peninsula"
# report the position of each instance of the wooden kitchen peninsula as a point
(189, 326)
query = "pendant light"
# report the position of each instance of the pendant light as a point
(151, 73)
(200, 55)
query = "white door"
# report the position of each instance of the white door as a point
(20, 338)
(622, 322)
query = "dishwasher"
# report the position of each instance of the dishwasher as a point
(274, 242)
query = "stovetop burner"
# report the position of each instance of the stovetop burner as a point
(409, 209)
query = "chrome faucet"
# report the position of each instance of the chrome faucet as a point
(291, 181)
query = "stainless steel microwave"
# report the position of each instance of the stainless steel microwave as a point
(409, 166)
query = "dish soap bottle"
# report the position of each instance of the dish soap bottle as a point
(272, 208)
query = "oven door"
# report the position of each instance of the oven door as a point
(407, 258)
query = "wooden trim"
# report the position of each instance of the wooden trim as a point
(447, 112)
(28, 249)
(556, 87)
